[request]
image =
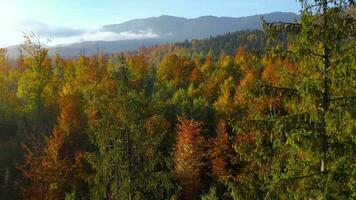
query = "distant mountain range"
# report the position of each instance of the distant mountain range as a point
(165, 29)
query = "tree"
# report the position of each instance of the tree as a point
(126, 164)
(322, 45)
(139, 66)
(159, 141)
(9, 115)
(189, 157)
(221, 154)
(56, 170)
(257, 150)
(268, 115)
(175, 69)
(34, 87)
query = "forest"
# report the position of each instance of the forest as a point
(248, 115)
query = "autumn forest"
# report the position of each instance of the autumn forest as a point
(255, 114)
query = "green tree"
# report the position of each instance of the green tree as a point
(9, 116)
(34, 88)
(305, 128)
(125, 164)
(324, 50)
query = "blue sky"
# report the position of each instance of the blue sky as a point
(75, 16)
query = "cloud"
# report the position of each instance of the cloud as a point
(112, 36)
(47, 30)
(61, 35)
(104, 36)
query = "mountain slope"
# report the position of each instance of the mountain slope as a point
(167, 29)
(178, 28)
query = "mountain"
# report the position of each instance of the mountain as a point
(179, 28)
(165, 29)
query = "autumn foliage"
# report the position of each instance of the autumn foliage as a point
(54, 170)
(221, 154)
(267, 115)
(189, 157)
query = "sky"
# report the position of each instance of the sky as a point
(68, 21)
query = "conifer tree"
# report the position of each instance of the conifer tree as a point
(314, 94)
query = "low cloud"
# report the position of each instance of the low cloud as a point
(104, 36)
(64, 36)
(111, 36)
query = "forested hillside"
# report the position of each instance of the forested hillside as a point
(195, 120)
(179, 28)
(250, 40)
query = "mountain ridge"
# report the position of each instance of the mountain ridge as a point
(180, 28)
(165, 29)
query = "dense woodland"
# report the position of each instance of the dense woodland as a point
(206, 119)
(228, 43)
(250, 40)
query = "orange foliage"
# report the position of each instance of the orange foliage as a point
(208, 64)
(240, 55)
(221, 153)
(223, 103)
(264, 104)
(196, 76)
(139, 65)
(175, 69)
(271, 70)
(240, 139)
(4, 64)
(244, 85)
(21, 64)
(246, 61)
(86, 69)
(31, 170)
(188, 157)
(210, 88)
(52, 172)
